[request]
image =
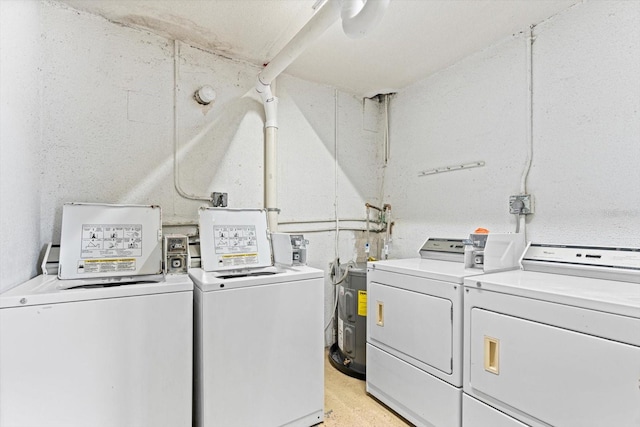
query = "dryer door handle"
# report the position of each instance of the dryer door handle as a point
(379, 313)
(492, 355)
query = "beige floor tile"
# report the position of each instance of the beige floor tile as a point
(347, 404)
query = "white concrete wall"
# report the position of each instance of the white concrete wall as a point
(586, 169)
(20, 94)
(586, 136)
(108, 134)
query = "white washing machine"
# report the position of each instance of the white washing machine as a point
(99, 351)
(414, 331)
(259, 339)
(556, 343)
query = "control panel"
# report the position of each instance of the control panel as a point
(176, 254)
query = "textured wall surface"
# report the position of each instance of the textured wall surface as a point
(20, 59)
(108, 134)
(586, 172)
(586, 136)
(473, 111)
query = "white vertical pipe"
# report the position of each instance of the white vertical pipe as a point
(335, 170)
(358, 23)
(522, 219)
(317, 25)
(270, 182)
(530, 39)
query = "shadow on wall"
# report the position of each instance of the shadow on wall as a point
(203, 153)
(358, 149)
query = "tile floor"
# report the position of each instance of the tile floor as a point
(347, 404)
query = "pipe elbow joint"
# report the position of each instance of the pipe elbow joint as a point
(359, 18)
(271, 113)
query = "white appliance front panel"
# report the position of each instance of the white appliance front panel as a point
(419, 397)
(554, 375)
(422, 321)
(413, 324)
(102, 363)
(260, 355)
(478, 414)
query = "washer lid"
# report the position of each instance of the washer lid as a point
(234, 239)
(212, 281)
(99, 241)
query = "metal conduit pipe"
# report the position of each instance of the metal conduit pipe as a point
(360, 17)
(314, 221)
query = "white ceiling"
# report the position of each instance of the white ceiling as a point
(414, 39)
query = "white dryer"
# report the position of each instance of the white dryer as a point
(414, 333)
(259, 339)
(556, 343)
(100, 350)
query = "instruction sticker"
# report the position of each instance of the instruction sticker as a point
(362, 303)
(92, 266)
(236, 245)
(111, 241)
(238, 259)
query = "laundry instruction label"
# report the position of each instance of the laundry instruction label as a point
(111, 265)
(236, 245)
(239, 259)
(235, 239)
(111, 241)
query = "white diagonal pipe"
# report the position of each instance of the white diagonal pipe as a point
(359, 17)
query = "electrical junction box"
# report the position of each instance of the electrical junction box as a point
(176, 254)
(521, 204)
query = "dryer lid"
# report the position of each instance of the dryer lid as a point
(603, 262)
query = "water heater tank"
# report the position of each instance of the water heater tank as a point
(349, 354)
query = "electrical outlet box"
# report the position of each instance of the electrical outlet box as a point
(219, 200)
(521, 204)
